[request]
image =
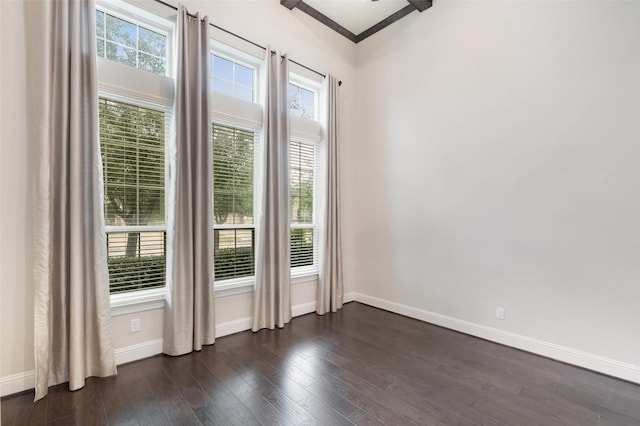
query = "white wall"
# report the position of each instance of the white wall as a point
(305, 40)
(503, 169)
(16, 289)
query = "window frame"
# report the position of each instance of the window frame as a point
(234, 62)
(309, 131)
(314, 269)
(309, 85)
(239, 113)
(121, 298)
(145, 19)
(123, 83)
(239, 57)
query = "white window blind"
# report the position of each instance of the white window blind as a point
(234, 152)
(132, 143)
(304, 230)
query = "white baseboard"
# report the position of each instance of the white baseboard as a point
(17, 382)
(138, 351)
(232, 327)
(349, 297)
(576, 357)
(303, 309)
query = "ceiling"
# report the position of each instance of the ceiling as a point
(357, 19)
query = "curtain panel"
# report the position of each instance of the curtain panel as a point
(272, 294)
(189, 312)
(330, 286)
(72, 314)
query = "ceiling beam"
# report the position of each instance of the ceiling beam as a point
(290, 4)
(319, 16)
(385, 22)
(420, 5)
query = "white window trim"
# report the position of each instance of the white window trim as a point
(137, 301)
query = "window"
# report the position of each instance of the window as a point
(232, 78)
(132, 144)
(233, 202)
(302, 102)
(127, 42)
(302, 166)
(134, 112)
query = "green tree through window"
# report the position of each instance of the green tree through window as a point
(132, 143)
(233, 195)
(123, 41)
(302, 170)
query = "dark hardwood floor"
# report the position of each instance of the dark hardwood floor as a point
(360, 366)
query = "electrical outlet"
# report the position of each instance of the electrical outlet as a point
(500, 313)
(135, 325)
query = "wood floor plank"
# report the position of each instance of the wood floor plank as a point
(358, 366)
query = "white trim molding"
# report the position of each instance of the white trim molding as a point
(303, 309)
(232, 327)
(138, 351)
(17, 382)
(349, 297)
(572, 356)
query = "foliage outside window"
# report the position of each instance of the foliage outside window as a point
(131, 44)
(302, 102)
(302, 171)
(132, 143)
(232, 78)
(233, 195)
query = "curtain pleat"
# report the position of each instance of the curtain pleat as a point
(330, 285)
(189, 313)
(272, 294)
(72, 313)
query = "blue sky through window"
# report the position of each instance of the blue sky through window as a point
(232, 79)
(126, 42)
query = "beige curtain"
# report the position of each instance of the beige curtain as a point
(330, 286)
(72, 318)
(272, 295)
(189, 313)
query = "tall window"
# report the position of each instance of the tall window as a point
(132, 143)
(127, 42)
(233, 201)
(302, 166)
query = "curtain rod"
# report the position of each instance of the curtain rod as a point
(246, 40)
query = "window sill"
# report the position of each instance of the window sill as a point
(147, 300)
(303, 277)
(139, 301)
(246, 285)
